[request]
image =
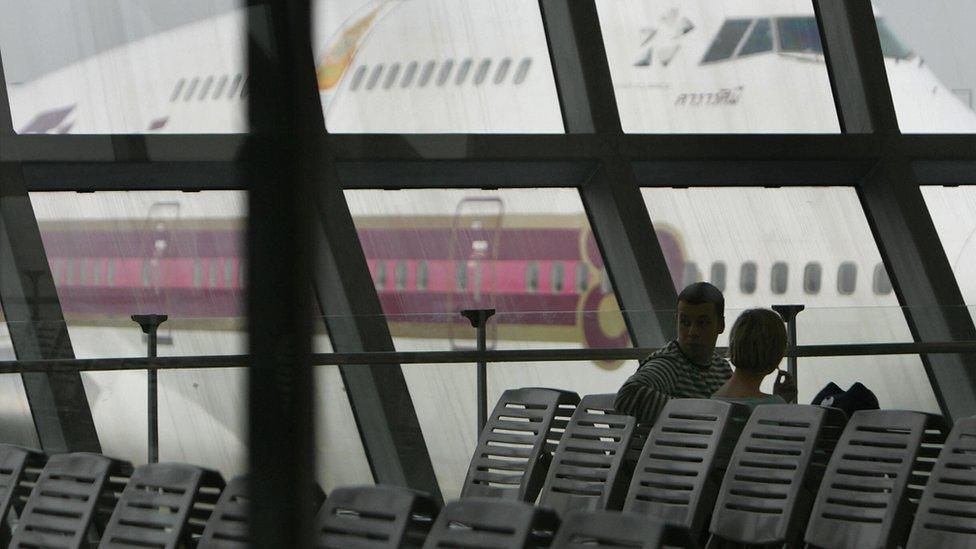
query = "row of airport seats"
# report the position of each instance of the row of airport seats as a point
(551, 470)
(719, 476)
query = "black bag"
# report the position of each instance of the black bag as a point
(858, 397)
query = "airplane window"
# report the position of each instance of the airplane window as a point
(427, 73)
(374, 77)
(463, 70)
(812, 274)
(747, 278)
(146, 272)
(400, 275)
(779, 276)
(523, 70)
(69, 273)
(557, 277)
(719, 274)
(380, 280)
(213, 272)
(582, 277)
(799, 34)
(727, 40)
(391, 76)
(197, 272)
(760, 39)
(445, 72)
(232, 91)
(882, 284)
(357, 78)
(422, 274)
(205, 90)
(461, 275)
(244, 88)
(228, 273)
(112, 266)
(191, 89)
(97, 271)
(691, 274)
(532, 276)
(409, 74)
(847, 278)
(219, 90)
(241, 272)
(605, 286)
(483, 68)
(502, 70)
(177, 90)
(891, 45)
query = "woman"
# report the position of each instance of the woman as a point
(757, 344)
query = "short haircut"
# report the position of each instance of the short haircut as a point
(757, 342)
(703, 292)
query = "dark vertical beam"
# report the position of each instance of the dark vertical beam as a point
(30, 303)
(906, 235)
(612, 198)
(280, 156)
(6, 119)
(378, 394)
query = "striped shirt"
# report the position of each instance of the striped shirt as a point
(668, 374)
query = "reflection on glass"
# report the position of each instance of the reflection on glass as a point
(698, 66)
(527, 253)
(466, 48)
(129, 67)
(776, 233)
(929, 66)
(953, 211)
(16, 422)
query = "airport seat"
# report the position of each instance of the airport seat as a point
(155, 506)
(680, 469)
(771, 480)
(68, 501)
(862, 502)
(587, 470)
(19, 470)
(374, 517)
(228, 524)
(492, 522)
(515, 447)
(946, 512)
(608, 530)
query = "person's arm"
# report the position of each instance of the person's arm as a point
(646, 392)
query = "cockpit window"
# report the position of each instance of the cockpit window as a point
(799, 34)
(891, 45)
(760, 39)
(727, 40)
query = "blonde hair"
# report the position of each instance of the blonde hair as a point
(757, 342)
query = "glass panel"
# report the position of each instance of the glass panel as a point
(16, 421)
(698, 66)
(930, 68)
(125, 67)
(523, 252)
(457, 43)
(953, 211)
(759, 228)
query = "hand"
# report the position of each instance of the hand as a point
(785, 386)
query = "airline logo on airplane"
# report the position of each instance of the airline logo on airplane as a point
(663, 42)
(343, 51)
(51, 121)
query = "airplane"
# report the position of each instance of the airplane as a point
(529, 253)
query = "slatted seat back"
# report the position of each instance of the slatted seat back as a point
(765, 495)
(492, 523)
(71, 490)
(946, 515)
(19, 470)
(155, 506)
(513, 452)
(374, 517)
(862, 500)
(680, 468)
(227, 526)
(587, 470)
(608, 530)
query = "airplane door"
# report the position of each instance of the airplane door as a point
(475, 235)
(156, 245)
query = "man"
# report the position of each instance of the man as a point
(688, 367)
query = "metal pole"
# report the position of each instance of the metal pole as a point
(479, 320)
(150, 327)
(789, 312)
